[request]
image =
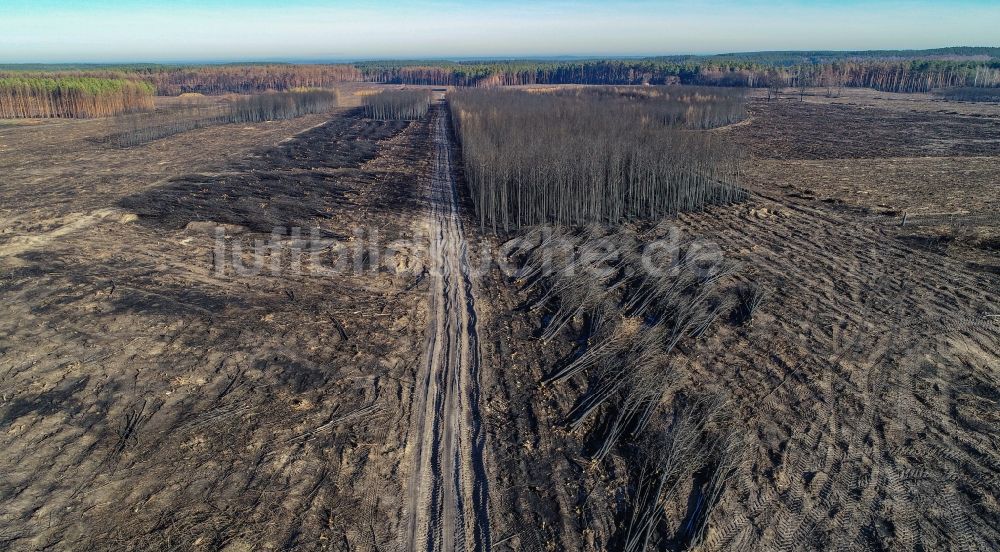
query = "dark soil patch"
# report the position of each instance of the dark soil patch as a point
(281, 187)
(789, 129)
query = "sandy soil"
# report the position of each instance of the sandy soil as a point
(448, 504)
(895, 101)
(936, 174)
(150, 402)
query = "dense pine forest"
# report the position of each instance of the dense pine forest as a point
(72, 97)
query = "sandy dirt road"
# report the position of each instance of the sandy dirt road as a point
(448, 491)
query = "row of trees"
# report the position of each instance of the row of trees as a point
(212, 79)
(918, 76)
(693, 107)
(140, 129)
(286, 105)
(886, 75)
(406, 105)
(72, 97)
(590, 156)
(889, 71)
(250, 79)
(439, 74)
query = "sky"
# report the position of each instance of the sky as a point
(105, 31)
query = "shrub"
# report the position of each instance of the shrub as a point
(749, 299)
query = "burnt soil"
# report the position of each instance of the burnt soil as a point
(152, 403)
(865, 389)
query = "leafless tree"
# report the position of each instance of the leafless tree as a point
(405, 105)
(143, 128)
(596, 156)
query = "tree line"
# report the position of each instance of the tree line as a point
(72, 97)
(884, 75)
(692, 107)
(250, 79)
(894, 71)
(590, 156)
(134, 130)
(211, 79)
(406, 105)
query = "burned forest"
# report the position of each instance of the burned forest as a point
(601, 156)
(422, 276)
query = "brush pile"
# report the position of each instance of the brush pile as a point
(633, 307)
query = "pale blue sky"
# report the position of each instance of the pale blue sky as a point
(188, 30)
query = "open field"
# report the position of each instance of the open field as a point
(937, 168)
(208, 355)
(894, 101)
(834, 387)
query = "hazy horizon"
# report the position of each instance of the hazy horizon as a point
(101, 31)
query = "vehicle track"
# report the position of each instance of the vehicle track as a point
(448, 495)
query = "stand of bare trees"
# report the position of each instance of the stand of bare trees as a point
(141, 129)
(72, 97)
(887, 71)
(286, 105)
(595, 155)
(248, 79)
(406, 105)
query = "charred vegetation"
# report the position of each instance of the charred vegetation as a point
(141, 129)
(601, 155)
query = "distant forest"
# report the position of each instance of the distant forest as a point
(885, 70)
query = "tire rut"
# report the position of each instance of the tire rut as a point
(448, 493)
